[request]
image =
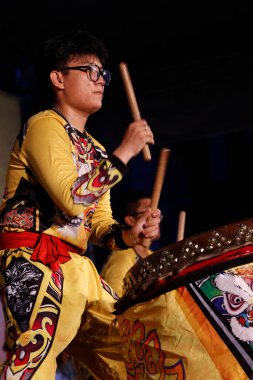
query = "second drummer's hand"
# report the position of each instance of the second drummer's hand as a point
(147, 227)
(137, 135)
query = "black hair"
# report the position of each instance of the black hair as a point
(70, 45)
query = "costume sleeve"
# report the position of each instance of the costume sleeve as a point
(47, 152)
(116, 267)
(106, 231)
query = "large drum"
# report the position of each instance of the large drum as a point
(187, 310)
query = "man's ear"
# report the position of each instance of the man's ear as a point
(57, 79)
(129, 220)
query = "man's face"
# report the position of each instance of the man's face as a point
(141, 206)
(137, 210)
(76, 87)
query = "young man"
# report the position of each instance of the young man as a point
(134, 204)
(57, 197)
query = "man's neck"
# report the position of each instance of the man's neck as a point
(76, 119)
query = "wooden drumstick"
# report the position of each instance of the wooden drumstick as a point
(181, 225)
(159, 179)
(132, 102)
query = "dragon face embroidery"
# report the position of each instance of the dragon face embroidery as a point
(237, 290)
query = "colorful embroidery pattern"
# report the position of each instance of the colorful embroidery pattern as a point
(33, 345)
(226, 300)
(55, 285)
(22, 283)
(109, 289)
(30, 344)
(143, 354)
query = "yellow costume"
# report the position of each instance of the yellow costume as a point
(116, 267)
(57, 196)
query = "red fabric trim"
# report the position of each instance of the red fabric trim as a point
(48, 249)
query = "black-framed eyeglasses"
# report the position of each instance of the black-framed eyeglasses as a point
(94, 72)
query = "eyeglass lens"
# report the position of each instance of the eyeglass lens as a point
(95, 73)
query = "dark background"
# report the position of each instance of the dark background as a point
(191, 67)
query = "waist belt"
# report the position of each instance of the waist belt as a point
(47, 249)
